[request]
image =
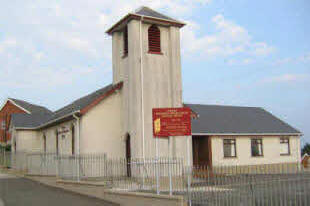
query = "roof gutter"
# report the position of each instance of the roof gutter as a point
(47, 123)
(59, 118)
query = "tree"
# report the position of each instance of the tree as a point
(306, 149)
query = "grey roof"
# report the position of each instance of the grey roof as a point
(215, 119)
(38, 120)
(80, 103)
(146, 11)
(32, 108)
(28, 120)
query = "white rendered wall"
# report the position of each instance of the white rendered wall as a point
(101, 128)
(271, 151)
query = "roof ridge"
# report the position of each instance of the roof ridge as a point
(222, 105)
(74, 101)
(141, 8)
(37, 105)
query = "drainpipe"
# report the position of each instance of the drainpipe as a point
(78, 146)
(142, 96)
(142, 88)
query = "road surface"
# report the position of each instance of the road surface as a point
(23, 192)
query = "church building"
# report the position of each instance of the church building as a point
(117, 119)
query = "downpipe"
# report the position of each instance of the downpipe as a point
(77, 156)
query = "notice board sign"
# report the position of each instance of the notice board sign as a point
(172, 122)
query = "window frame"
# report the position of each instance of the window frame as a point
(125, 42)
(288, 145)
(262, 147)
(155, 49)
(3, 124)
(229, 143)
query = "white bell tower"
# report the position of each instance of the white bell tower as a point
(146, 58)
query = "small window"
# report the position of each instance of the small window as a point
(257, 147)
(125, 36)
(229, 147)
(3, 125)
(284, 146)
(154, 39)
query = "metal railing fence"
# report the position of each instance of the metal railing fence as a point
(18, 160)
(41, 164)
(5, 158)
(270, 184)
(15, 160)
(276, 184)
(82, 167)
(134, 174)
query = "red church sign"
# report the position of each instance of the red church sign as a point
(172, 122)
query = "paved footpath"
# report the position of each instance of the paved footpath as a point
(16, 191)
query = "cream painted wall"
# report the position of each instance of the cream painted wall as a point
(64, 139)
(27, 141)
(101, 128)
(271, 151)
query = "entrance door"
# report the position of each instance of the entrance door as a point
(201, 151)
(128, 155)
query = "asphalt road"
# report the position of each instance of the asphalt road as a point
(23, 192)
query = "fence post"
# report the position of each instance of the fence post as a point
(78, 167)
(189, 171)
(170, 176)
(57, 166)
(157, 166)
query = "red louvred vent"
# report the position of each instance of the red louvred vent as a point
(154, 39)
(125, 41)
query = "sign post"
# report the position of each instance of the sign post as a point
(169, 166)
(157, 166)
(168, 122)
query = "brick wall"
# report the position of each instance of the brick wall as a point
(5, 114)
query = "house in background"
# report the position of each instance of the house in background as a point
(230, 135)
(14, 106)
(117, 119)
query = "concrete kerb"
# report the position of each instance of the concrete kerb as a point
(101, 192)
(129, 198)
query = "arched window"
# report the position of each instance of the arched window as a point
(57, 148)
(44, 143)
(125, 37)
(154, 39)
(73, 138)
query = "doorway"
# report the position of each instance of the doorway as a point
(128, 155)
(202, 155)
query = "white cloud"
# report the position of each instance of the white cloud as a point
(7, 43)
(287, 78)
(228, 40)
(262, 49)
(54, 36)
(305, 58)
(300, 59)
(240, 61)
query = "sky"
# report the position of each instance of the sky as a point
(234, 52)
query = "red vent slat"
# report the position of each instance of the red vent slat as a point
(154, 39)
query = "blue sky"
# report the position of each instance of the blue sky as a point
(237, 52)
